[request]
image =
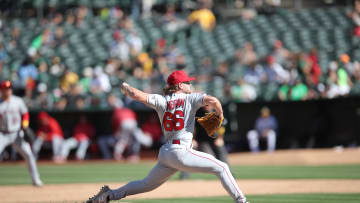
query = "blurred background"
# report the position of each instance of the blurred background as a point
(297, 59)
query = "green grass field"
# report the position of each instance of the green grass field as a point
(92, 172)
(119, 172)
(291, 198)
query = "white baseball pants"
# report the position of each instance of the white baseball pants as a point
(72, 143)
(254, 137)
(56, 145)
(174, 157)
(16, 139)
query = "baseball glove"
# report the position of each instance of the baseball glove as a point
(211, 123)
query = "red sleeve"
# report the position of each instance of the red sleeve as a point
(25, 117)
(25, 120)
(55, 128)
(116, 120)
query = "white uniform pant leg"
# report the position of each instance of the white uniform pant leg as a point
(37, 146)
(66, 146)
(81, 151)
(56, 145)
(5, 140)
(130, 126)
(157, 176)
(120, 146)
(271, 140)
(195, 161)
(25, 150)
(253, 139)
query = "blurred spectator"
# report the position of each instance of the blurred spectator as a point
(284, 91)
(85, 81)
(204, 16)
(100, 82)
(299, 91)
(146, 7)
(146, 62)
(70, 20)
(275, 72)
(248, 55)
(170, 21)
(120, 49)
(43, 100)
(57, 68)
(265, 128)
(221, 71)
(82, 14)
(254, 74)
(355, 16)
(28, 74)
(344, 81)
(126, 135)
(60, 104)
(281, 55)
(135, 42)
(346, 64)
(243, 92)
(116, 12)
(59, 37)
(83, 132)
(46, 38)
(68, 79)
(50, 132)
(315, 70)
(74, 97)
(43, 75)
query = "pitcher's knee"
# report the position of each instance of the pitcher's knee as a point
(221, 167)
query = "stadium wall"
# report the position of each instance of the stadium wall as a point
(313, 124)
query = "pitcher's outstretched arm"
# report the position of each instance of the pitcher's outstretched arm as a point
(134, 93)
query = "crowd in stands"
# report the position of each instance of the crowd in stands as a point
(50, 83)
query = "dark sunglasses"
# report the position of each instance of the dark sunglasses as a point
(188, 82)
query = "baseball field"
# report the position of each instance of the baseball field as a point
(296, 176)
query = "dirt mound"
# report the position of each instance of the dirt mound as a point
(298, 157)
(80, 192)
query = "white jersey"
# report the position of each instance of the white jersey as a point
(10, 114)
(177, 113)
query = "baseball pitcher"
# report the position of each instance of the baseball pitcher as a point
(14, 117)
(176, 111)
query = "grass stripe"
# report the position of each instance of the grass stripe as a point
(120, 172)
(283, 198)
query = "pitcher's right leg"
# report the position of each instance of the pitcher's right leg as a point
(195, 161)
(157, 176)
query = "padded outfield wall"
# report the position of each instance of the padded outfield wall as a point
(318, 124)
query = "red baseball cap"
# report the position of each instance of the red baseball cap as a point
(6, 84)
(177, 77)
